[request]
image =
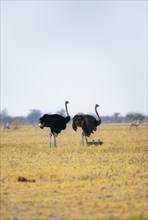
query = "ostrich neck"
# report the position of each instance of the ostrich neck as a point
(66, 109)
(97, 114)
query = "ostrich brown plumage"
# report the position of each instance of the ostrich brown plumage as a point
(88, 123)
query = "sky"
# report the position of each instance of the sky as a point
(86, 52)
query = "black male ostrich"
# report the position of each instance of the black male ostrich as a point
(55, 122)
(88, 123)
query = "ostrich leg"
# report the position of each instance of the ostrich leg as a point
(50, 135)
(83, 135)
(55, 144)
(83, 138)
(86, 140)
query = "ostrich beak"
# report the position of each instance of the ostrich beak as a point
(41, 125)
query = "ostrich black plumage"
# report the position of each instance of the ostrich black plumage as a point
(55, 122)
(88, 123)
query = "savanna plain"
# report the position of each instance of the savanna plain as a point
(71, 181)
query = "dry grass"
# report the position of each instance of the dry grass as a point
(73, 182)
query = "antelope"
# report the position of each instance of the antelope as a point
(135, 124)
(6, 127)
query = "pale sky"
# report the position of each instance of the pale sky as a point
(86, 52)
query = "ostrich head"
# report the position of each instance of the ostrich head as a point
(41, 121)
(99, 119)
(41, 125)
(66, 102)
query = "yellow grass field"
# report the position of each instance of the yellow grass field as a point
(74, 182)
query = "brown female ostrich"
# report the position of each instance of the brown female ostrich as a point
(88, 123)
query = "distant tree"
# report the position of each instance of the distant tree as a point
(4, 112)
(131, 116)
(16, 124)
(22, 119)
(117, 117)
(4, 117)
(33, 116)
(106, 119)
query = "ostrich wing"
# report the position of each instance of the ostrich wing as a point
(80, 121)
(77, 122)
(85, 128)
(74, 126)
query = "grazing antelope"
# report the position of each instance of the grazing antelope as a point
(135, 124)
(6, 127)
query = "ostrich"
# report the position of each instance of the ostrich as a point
(55, 122)
(88, 123)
